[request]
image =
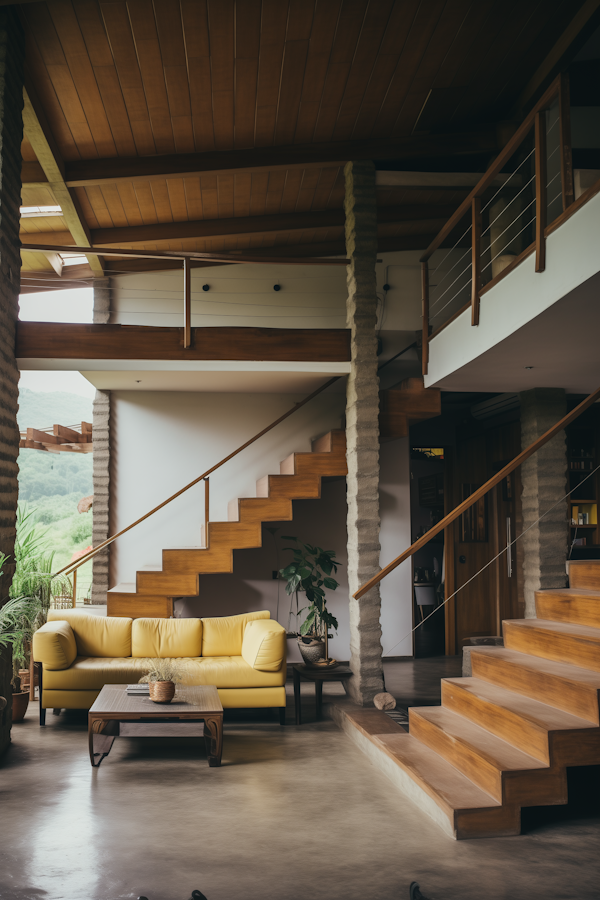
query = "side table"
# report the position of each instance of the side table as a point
(318, 676)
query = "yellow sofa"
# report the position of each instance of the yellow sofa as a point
(244, 656)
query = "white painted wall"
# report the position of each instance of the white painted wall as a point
(571, 259)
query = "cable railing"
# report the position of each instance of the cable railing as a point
(497, 227)
(478, 494)
(74, 565)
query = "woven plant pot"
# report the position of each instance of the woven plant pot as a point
(312, 651)
(161, 691)
(20, 702)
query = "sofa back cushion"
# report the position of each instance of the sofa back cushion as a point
(54, 645)
(103, 636)
(264, 646)
(223, 635)
(164, 638)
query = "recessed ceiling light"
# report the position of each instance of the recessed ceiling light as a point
(529, 367)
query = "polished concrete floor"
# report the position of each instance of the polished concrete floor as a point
(293, 814)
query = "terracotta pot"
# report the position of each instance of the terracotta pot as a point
(311, 650)
(161, 691)
(20, 702)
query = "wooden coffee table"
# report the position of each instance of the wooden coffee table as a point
(117, 714)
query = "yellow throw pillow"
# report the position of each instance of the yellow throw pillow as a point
(54, 645)
(264, 646)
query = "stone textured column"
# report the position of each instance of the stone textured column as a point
(101, 470)
(12, 50)
(362, 432)
(544, 478)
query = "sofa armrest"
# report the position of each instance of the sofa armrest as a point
(54, 645)
(264, 646)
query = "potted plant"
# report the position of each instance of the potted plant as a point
(161, 678)
(311, 572)
(15, 623)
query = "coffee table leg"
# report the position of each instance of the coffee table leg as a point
(213, 737)
(105, 741)
(297, 701)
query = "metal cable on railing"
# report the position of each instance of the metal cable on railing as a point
(449, 288)
(491, 561)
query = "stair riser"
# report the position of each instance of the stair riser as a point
(505, 724)
(169, 585)
(575, 610)
(307, 464)
(551, 645)
(579, 700)
(535, 787)
(235, 535)
(584, 575)
(291, 487)
(487, 823)
(260, 510)
(135, 606)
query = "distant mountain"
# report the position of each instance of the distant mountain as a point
(38, 409)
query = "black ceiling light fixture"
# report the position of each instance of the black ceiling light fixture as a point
(206, 287)
(276, 287)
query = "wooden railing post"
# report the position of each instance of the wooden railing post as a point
(74, 600)
(475, 258)
(425, 315)
(187, 303)
(540, 191)
(206, 509)
(566, 155)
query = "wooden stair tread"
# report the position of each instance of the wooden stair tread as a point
(585, 632)
(434, 774)
(535, 712)
(125, 587)
(570, 593)
(574, 605)
(549, 667)
(493, 750)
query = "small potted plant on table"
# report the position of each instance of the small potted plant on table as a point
(311, 572)
(161, 678)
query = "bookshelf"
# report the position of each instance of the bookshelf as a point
(582, 458)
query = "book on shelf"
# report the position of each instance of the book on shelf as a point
(579, 542)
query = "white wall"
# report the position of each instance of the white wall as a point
(396, 588)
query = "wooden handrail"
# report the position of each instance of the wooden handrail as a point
(71, 567)
(479, 493)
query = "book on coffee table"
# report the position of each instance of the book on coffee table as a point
(138, 688)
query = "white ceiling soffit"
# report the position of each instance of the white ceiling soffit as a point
(212, 382)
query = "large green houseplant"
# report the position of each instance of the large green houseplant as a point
(311, 573)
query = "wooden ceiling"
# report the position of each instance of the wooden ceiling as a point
(224, 125)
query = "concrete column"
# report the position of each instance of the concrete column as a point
(101, 469)
(362, 432)
(12, 50)
(544, 478)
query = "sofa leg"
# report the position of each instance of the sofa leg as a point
(56, 712)
(282, 715)
(42, 714)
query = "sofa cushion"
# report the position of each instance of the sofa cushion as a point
(165, 638)
(92, 673)
(229, 672)
(104, 636)
(223, 635)
(264, 645)
(54, 645)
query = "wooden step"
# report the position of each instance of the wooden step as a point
(585, 574)
(574, 605)
(294, 487)
(166, 583)
(578, 645)
(551, 735)
(557, 684)
(260, 509)
(470, 812)
(123, 600)
(315, 464)
(236, 535)
(510, 776)
(331, 442)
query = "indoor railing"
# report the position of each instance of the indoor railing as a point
(74, 565)
(477, 495)
(526, 193)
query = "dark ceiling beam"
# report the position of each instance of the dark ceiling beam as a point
(84, 173)
(575, 35)
(239, 226)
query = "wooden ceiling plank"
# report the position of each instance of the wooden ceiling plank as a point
(272, 43)
(210, 200)
(110, 192)
(128, 198)
(294, 65)
(162, 203)
(98, 204)
(221, 25)
(291, 190)
(193, 198)
(86, 208)
(327, 179)
(44, 146)
(78, 60)
(375, 25)
(118, 29)
(258, 194)
(177, 202)
(145, 37)
(242, 192)
(225, 195)
(247, 46)
(306, 193)
(325, 22)
(116, 111)
(194, 16)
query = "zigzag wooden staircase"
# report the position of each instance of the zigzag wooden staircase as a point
(299, 478)
(503, 738)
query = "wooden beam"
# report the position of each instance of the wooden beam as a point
(41, 139)
(53, 340)
(73, 437)
(84, 173)
(541, 178)
(243, 225)
(578, 30)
